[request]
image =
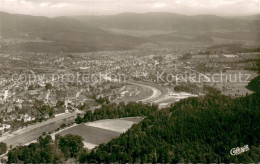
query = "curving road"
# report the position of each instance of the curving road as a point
(155, 95)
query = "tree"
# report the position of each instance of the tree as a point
(31, 87)
(3, 148)
(78, 120)
(88, 116)
(48, 86)
(51, 113)
(71, 145)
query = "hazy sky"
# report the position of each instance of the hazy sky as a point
(99, 7)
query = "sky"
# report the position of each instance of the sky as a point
(53, 8)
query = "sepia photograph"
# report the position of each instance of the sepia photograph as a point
(129, 81)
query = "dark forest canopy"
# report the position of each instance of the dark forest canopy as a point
(48, 151)
(194, 130)
(3, 148)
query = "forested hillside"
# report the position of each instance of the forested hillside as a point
(194, 130)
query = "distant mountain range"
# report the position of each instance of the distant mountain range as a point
(169, 21)
(92, 33)
(236, 28)
(250, 17)
(66, 34)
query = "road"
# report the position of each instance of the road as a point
(32, 132)
(156, 93)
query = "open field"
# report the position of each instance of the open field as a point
(133, 119)
(91, 134)
(102, 131)
(116, 125)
